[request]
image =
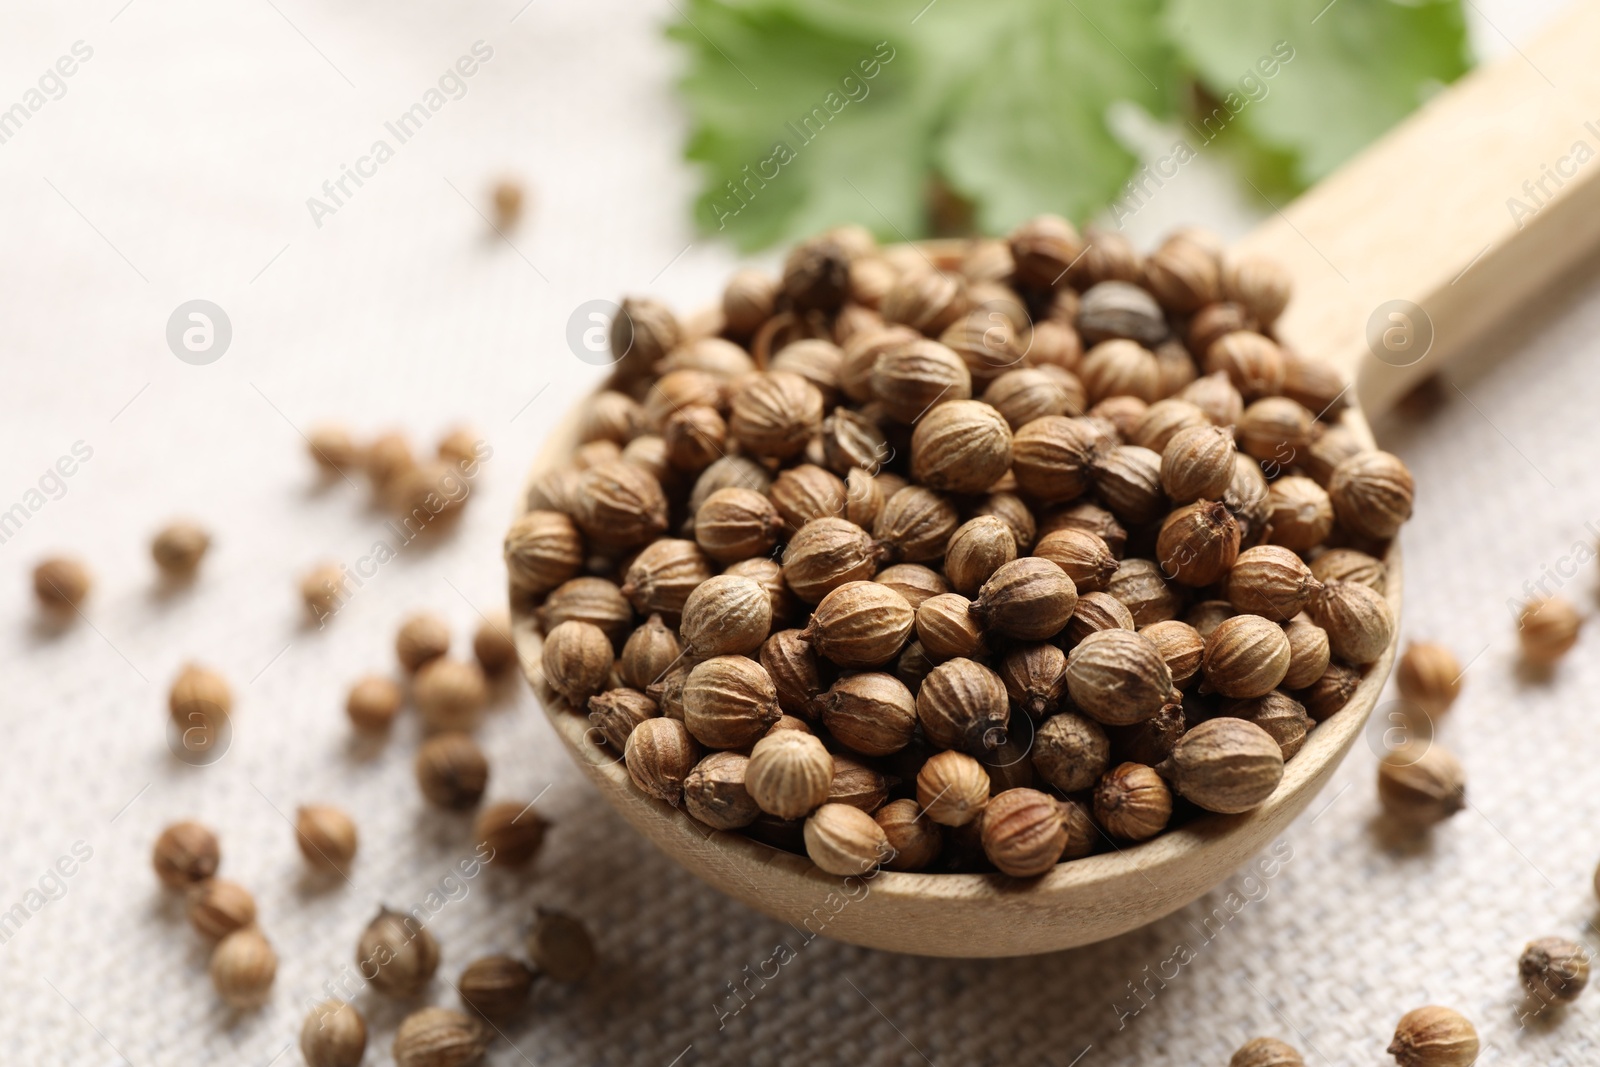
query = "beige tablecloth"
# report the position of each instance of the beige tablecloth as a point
(176, 164)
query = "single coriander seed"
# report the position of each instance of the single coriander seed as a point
(789, 774)
(577, 661)
(513, 831)
(1226, 765)
(1132, 802)
(1118, 677)
(373, 703)
(178, 549)
(1421, 785)
(729, 702)
(326, 836)
(559, 945)
(438, 1037)
(660, 754)
(218, 907)
(421, 638)
(842, 840)
(496, 987)
(1071, 752)
(715, 792)
(1549, 629)
(1434, 1037)
(397, 954)
(492, 645)
(450, 693)
(953, 788)
(243, 966)
(333, 1035)
(1554, 969)
(1246, 656)
(915, 838)
(186, 853)
(1023, 833)
(1266, 1052)
(452, 771)
(1429, 676)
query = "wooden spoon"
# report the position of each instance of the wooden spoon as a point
(1417, 238)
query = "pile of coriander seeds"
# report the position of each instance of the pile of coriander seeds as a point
(963, 558)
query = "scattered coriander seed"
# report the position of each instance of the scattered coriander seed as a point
(333, 449)
(1266, 1052)
(438, 1037)
(333, 1035)
(422, 637)
(387, 459)
(492, 645)
(185, 854)
(1357, 618)
(1246, 656)
(843, 840)
(915, 838)
(218, 907)
(660, 754)
(199, 697)
(178, 549)
(1429, 676)
(326, 836)
(542, 549)
(1554, 969)
(450, 693)
(1118, 677)
(452, 771)
(243, 966)
(1420, 784)
(953, 788)
(60, 584)
(512, 829)
(495, 987)
(1434, 1037)
(789, 774)
(577, 661)
(1071, 752)
(397, 954)
(1132, 802)
(560, 946)
(373, 703)
(715, 792)
(1226, 765)
(729, 702)
(1023, 833)
(1549, 629)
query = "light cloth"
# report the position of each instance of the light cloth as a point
(177, 166)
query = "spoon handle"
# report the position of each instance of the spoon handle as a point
(1462, 213)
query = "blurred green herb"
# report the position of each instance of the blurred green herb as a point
(909, 116)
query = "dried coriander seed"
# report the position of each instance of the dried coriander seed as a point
(1198, 543)
(1226, 765)
(1029, 393)
(856, 784)
(492, 645)
(1035, 677)
(1116, 308)
(1331, 692)
(916, 583)
(651, 651)
(438, 1037)
(659, 755)
(1118, 677)
(947, 628)
(1434, 1037)
(1357, 618)
(333, 1035)
(1548, 629)
(736, 523)
(845, 841)
(1299, 513)
(715, 792)
(1349, 565)
(1253, 364)
(826, 553)
(961, 446)
(178, 549)
(796, 673)
(576, 661)
(789, 774)
(1271, 581)
(512, 829)
(1266, 1052)
(1043, 248)
(1260, 284)
(1128, 480)
(450, 693)
(326, 836)
(1309, 652)
(218, 907)
(452, 771)
(333, 449)
(421, 638)
(542, 549)
(559, 945)
(963, 705)
(729, 702)
(1429, 676)
(1183, 274)
(860, 624)
(495, 987)
(620, 505)
(1096, 612)
(1215, 395)
(616, 712)
(1071, 752)
(1421, 785)
(611, 416)
(953, 788)
(1281, 716)
(1084, 556)
(908, 380)
(726, 615)
(242, 968)
(774, 414)
(1120, 368)
(977, 549)
(1246, 656)
(1029, 599)
(1554, 969)
(185, 854)
(871, 713)
(1051, 458)
(806, 492)
(200, 697)
(1144, 590)
(1132, 802)
(1372, 494)
(1180, 645)
(1023, 833)
(1274, 429)
(588, 599)
(60, 584)
(915, 838)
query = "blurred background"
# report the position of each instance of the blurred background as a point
(203, 152)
